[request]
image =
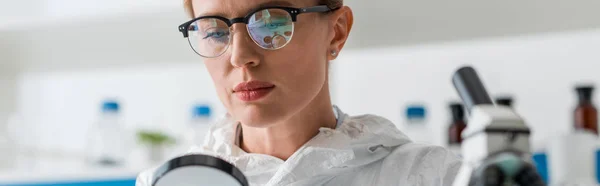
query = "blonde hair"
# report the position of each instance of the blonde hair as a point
(332, 4)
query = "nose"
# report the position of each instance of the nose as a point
(243, 49)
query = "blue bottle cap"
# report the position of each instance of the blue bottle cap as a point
(201, 111)
(416, 112)
(110, 106)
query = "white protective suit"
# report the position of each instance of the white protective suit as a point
(362, 151)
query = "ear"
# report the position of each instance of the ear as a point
(341, 21)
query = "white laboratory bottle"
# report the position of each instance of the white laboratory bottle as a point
(108, 140)
(197, 128)
(416, 124)
(572, 158)
(7, 148)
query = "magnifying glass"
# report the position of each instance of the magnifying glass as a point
(198, 170)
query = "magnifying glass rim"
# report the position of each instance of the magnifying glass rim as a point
(199, 160)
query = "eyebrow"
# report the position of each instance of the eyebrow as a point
(262, 5)
(275, 3)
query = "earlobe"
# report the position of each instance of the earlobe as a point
(343, 19)
(332, 55)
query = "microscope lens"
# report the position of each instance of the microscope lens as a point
(491, 175)
(529, 176)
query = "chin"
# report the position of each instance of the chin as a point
(259, 116)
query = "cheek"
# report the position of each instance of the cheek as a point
(218, 73)
(304, 64)
(307, 52)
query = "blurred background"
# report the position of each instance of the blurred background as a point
(70, 68)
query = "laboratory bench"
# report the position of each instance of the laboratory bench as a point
(67, 172)
(82, 177)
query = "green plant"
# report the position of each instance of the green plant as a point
(154, 138)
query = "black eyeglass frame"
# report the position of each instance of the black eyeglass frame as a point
(294, 12)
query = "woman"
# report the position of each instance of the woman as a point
(269, 61)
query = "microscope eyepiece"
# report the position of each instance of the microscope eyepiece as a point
(470, 88)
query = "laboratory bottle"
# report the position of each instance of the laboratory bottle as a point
(457, 126)
(416, 124)
(108, 139)
(506, 101)
(7, 148)
(585, 114)
(198, 126)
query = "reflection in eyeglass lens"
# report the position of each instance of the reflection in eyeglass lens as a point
(271, 28)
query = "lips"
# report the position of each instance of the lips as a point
(253, 90)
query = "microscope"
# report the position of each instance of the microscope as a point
(495, 147)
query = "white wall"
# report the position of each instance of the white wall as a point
(62, 34)
(14, 14)
(540, 71)
(407, 22)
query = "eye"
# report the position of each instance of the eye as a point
(192, 28)
(275, 22)
(270, 19)
(274, 25)
(216, 35)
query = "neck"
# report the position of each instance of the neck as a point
(283, 139)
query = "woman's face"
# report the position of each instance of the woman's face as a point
(283, 81)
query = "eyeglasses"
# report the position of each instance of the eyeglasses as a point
(270, 28)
